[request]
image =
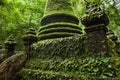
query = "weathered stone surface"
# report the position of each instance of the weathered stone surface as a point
(58, 6)
(29, 39)
(95, 22)
(94, 15)
(11, 66)
(59, 13)
(63, 47)
(96, 43)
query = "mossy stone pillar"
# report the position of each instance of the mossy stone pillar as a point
(29, 39)
(95, 22)
(59, 20)
(10, 46)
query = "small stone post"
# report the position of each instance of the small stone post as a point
(10, 46)
(29, 39)
(95, 23)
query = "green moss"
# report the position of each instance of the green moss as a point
(44, 75)
(60, 24)
(56, 6)
(111, 47)
(56, 35)
(22, 53)
(60, 29)
(70, 68)
(61, 46)
(65, 58)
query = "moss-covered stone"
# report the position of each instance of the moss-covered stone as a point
(29, 38)
(61, 29)
(95, 22)
(58, 6)
(30, 74)
(66, 58)
(58, 15)
(82, 68)
(71, 46)
(58, 30)
(59, 25)
(94, 15)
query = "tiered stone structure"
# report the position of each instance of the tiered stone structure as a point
(59, 20)
(10, 46)
(29, 39)
(95, 23)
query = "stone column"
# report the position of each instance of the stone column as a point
(95, 23)
(29, 39)
(59, 20)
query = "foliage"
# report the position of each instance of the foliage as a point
(65, 59)
(63, 47)
(83, 67)
(17, 16)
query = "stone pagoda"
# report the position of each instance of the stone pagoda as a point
(59, 20)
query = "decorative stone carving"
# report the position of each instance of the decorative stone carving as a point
(95, 22)
(94, 16)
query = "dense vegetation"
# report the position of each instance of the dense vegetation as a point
(59, 61)
(82, 68)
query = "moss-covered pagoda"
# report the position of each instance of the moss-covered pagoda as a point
(63, 52)
(59, 20)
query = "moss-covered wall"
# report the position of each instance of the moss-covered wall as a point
(66, 58)
(82, 68)
(58, 58)
(70, 46)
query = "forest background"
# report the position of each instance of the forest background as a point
(17, 16)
